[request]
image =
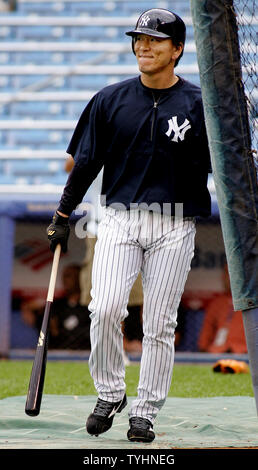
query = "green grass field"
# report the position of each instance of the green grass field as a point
(73, 378)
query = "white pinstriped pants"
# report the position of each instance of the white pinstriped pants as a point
(161, 247)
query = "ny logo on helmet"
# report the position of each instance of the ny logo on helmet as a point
(179, 131)
(144, 20)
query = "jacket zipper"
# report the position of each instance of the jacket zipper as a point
(154, 114)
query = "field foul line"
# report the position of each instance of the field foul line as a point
(173, 425)
(57, 414)
(29, 432)
(179, 424)
(119, 424)
(77, 430)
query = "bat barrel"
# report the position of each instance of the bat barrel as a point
(35, 390)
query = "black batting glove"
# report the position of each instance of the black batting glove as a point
(58, 232)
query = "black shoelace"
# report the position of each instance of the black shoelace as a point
(103, 408)
(140, 422)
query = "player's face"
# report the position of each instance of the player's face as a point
(155, 55)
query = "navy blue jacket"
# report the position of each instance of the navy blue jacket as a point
(151, 143)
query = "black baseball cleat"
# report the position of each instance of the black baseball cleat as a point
(140, 430)
(101, 419)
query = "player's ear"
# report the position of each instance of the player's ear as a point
(177, 50)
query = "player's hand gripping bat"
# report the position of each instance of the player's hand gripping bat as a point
(34, 396)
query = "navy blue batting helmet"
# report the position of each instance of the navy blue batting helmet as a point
(160, 23)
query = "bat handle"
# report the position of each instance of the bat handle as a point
(52, 282)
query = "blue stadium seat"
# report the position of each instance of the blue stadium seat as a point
(36, 138)
(34, 109)
(7, 179)
(46, 8)
(37, 33)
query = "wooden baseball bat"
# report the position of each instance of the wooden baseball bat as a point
(37, 377)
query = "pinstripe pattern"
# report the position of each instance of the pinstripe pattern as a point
(162, 248)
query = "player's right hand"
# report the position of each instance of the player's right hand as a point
(58, 232)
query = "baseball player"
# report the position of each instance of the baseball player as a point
(148, 135)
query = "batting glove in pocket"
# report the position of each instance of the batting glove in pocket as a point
(58, 232)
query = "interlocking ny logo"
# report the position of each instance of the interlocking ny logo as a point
(144, 20)
(179, 131)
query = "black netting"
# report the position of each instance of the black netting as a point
(247, 19)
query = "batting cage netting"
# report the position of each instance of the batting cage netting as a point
(247, 17)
